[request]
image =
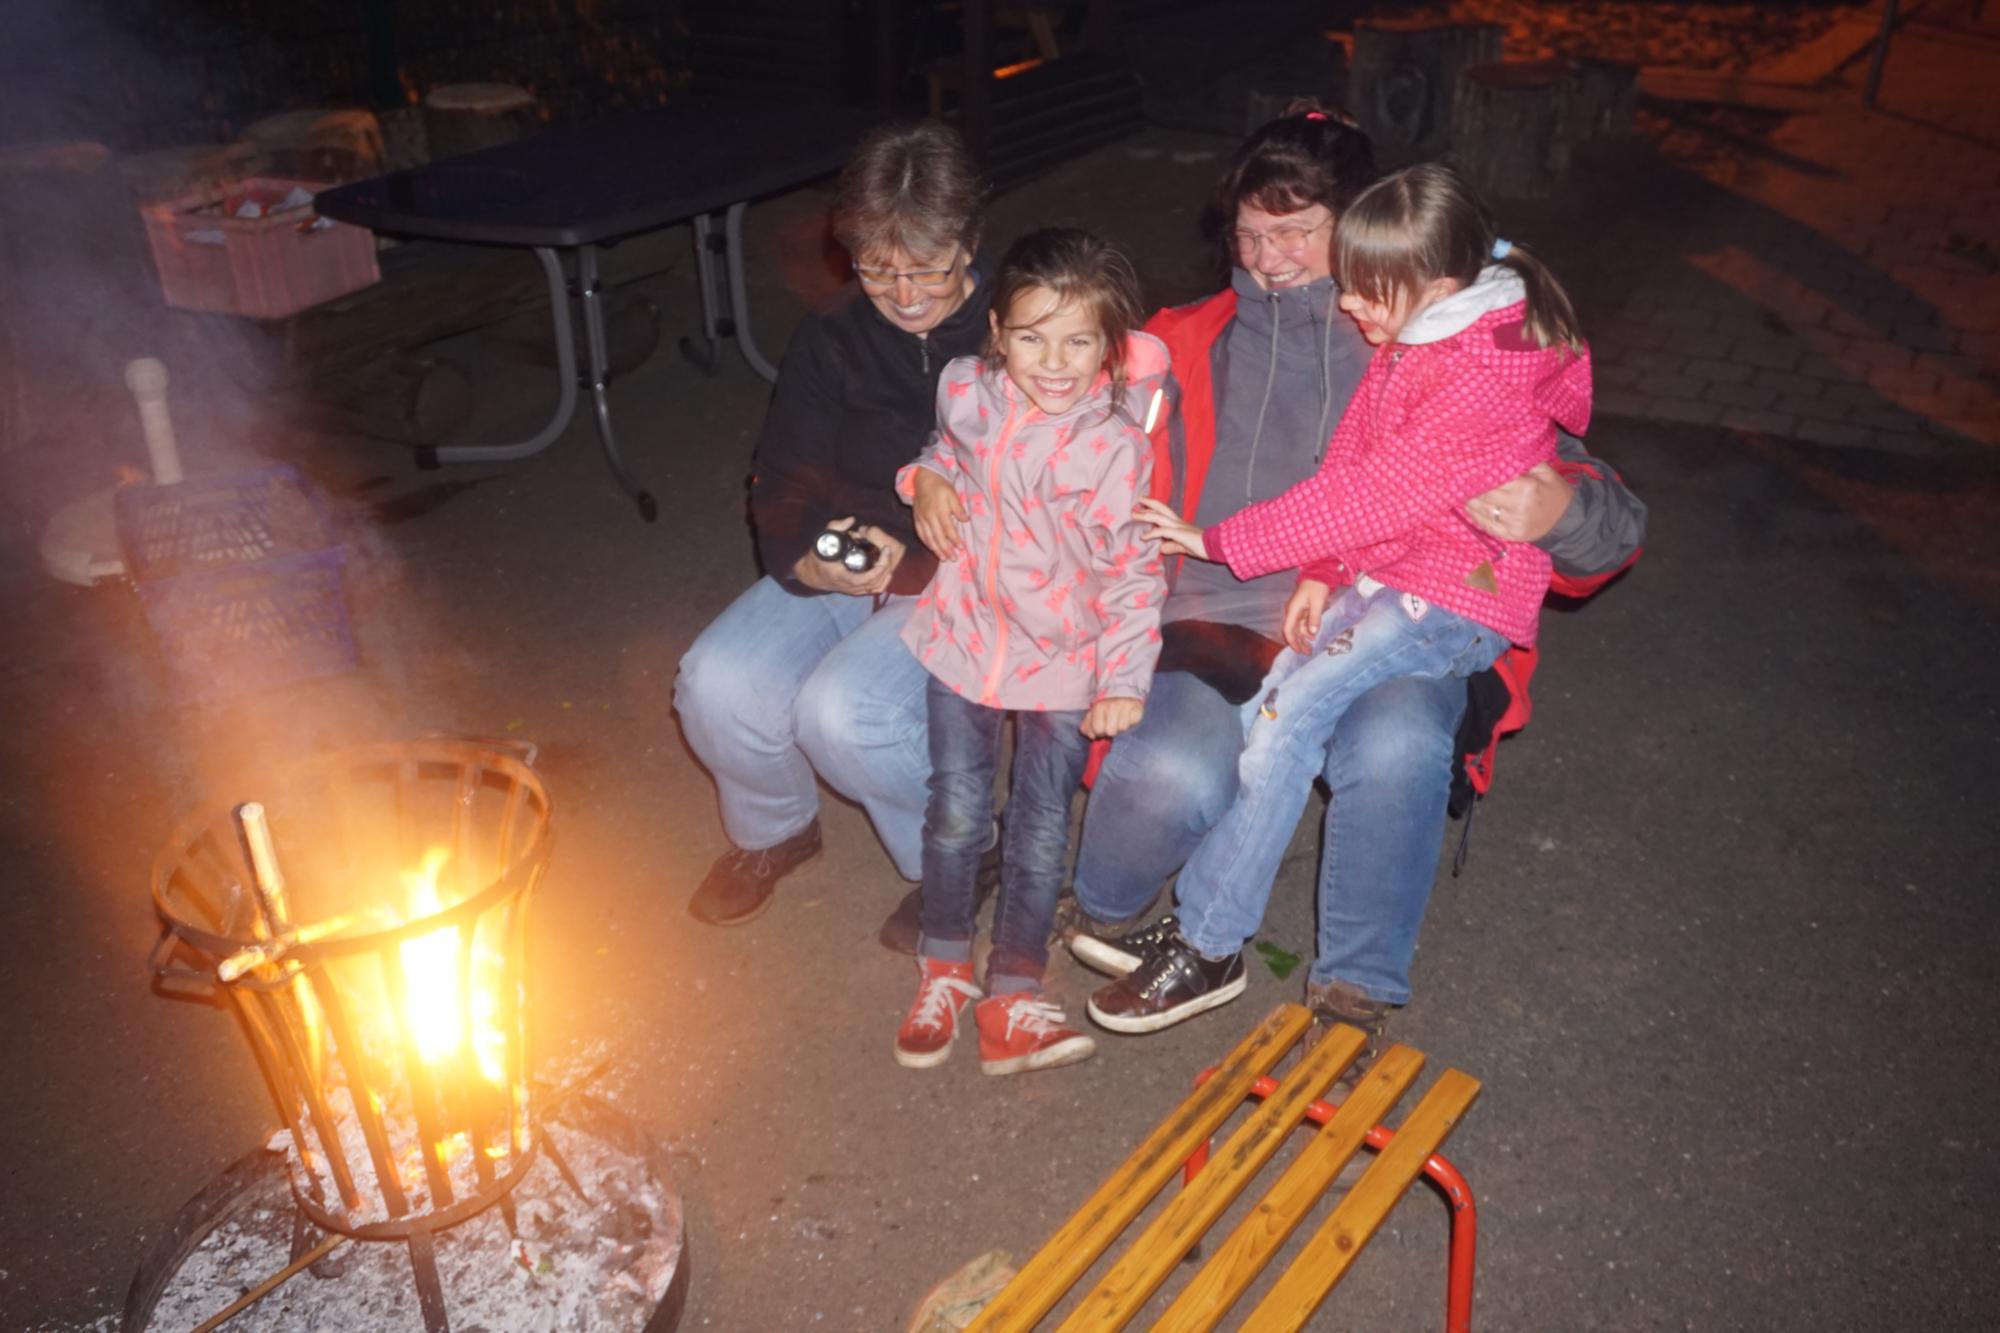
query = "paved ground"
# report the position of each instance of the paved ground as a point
(1722, 953)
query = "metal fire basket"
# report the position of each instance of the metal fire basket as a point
(323, 958)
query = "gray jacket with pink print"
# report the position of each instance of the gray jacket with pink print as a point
(1054, 600)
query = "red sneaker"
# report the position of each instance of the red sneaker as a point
(927, 1032)
(1022, 1031)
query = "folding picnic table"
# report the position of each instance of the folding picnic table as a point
(576, 191)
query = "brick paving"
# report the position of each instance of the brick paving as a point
(1830, 276)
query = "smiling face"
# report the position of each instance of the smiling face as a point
(1055, 354)
(916, 293)
(1285, 249)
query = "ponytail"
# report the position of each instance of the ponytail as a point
(1550, 318)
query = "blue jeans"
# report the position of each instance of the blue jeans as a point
(1049, 755)
(750, 695)
(1364, 641)
(1389, 771)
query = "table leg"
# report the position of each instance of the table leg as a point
(729, 245)
(430, 457)
(590, 294)
(706, 243)
(739, 295)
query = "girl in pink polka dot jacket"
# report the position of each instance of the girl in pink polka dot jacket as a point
(1045, 607)
(1478, 361)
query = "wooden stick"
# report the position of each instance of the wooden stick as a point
(265, 876)
(273, 1282)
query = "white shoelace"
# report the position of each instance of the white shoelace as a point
(934, 1002)
(1034, 1017)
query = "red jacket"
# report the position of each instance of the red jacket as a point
(1190, 333)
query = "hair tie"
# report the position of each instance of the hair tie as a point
(1501, 248)
(1315, 115)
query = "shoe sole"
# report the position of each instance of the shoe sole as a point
(922, 1059)
(762, 907)
(1073, 1051)
(1099, 956)
(1166, 1018)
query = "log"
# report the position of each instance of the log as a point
(1406, 79)
(1604, 93)
(1512, 127)
(403, 397)
(328, 147)
(465, 117)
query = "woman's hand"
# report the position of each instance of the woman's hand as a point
(832, 576)
(939, 511)
(1302, 612)
(1175, 534)
(1108, 717)
(1524, 509)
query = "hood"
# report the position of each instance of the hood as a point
(1557, 378)
(1146, 366)
(1496, 288)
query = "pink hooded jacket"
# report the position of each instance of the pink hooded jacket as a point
(1463, 401)
(1054, 600)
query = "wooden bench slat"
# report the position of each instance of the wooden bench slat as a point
(1327, 1254)
(1237, 1262)
(1068, 1254)
(1149, 1259)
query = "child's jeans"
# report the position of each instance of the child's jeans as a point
(1365, 638)
(1049, 755)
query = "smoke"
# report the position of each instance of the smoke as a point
(83, 101)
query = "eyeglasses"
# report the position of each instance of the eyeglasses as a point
(1289, 238)
(923, 277)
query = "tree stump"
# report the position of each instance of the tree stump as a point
(1604, 93)
(1512, 126)
(465, 117)
(1406, 79)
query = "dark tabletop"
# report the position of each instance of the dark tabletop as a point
(616, 177)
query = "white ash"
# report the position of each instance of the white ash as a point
(580, 1265)
(312, 1175)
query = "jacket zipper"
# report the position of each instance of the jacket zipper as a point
(992, 690)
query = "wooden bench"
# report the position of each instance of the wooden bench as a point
(1212, 1183)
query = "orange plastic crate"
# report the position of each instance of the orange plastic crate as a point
(266, 267)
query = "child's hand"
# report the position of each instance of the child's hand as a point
(1108, 717)
(1302, 612)
(938, 511)
(1175, 534)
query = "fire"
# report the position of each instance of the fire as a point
(440, 1005)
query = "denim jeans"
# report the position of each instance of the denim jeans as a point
(1049, 755)
(1365, 640)
(1171, 778)
(747, 689)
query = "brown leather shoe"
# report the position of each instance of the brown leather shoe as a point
(739, 885)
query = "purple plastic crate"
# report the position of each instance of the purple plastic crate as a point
(240, 579)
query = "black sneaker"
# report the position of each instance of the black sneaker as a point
(1337, 1002)
(738, 886)
(1118, 951)
(1174, 984)
(900, 932)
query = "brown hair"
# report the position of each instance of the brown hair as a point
(1313, 154)
(1073, 265)
(913, 187)
(1425, 222)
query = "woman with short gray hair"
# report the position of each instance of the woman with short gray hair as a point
(854, 402)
